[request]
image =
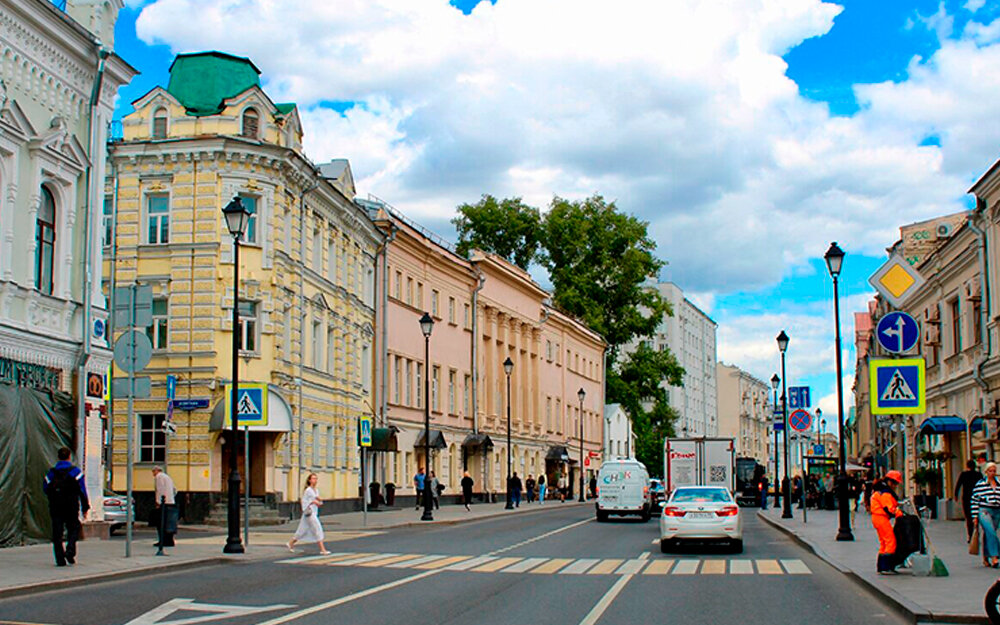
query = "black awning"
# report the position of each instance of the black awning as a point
(478, 440)
(557, 453)
(437, 440)
(384, 439)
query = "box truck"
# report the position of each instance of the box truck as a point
(699, 462)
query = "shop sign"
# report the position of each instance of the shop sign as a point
(25, 374)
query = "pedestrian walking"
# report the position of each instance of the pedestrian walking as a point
(764, 483)
(529, 486)
(435, 491)
(986, 512)
(563, 485)
(310, 530)
(67, 494)
(418, 486)
(884, 509)
(593, 486)
(515, 490)
(166, 506)
(541, 488)
(467, 483)
(966, 483)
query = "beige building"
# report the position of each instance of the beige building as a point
(306, 292)
(744, 411)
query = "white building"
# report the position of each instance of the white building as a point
(745, 406)
(619, 439)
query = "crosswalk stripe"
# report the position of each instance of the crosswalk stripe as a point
(339, 558)
(713, 567)
(552, 565)
(437, 564)
(524, 565)
(686, 567)
(468, 564)
(768, 567)
(356, 561)
(411, 563)
(579, 567)
(796, 567)
(496, 565)
(741, 567)
(658, 567)
(391, 560)
(605, 566)
(308, 559)
(630, 567)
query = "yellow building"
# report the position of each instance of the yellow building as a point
(306, 293)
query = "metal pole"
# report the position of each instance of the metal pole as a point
(581, 499)
(428, 514)
(510, 503)
(246, 499)
(777, 457)
(786, 508)
(129, 432)
(844, 533)
(233, 544)
(364, 490)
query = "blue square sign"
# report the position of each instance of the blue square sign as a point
(898, 386)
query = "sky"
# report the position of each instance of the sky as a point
(749, 134)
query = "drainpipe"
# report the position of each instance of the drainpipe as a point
(984, 311)
(302, 318)
(475, 348)
(384, 369)
(110, 331)
(90, 185)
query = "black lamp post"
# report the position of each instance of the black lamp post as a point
(581, 394)
(426, 326)
(237, 217)
(775, 380)
(508, 368)
(786, 485)
(834, 261)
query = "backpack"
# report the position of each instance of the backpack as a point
(64, 492)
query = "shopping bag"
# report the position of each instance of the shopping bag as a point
(974, 543)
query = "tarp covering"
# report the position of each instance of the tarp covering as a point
(33, 426)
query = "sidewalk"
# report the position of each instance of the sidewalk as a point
(31, 568)
(957, 598)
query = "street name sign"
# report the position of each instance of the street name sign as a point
(898, 386)
(197, 403)
(896, 280)
(897, 332)
(800, 420)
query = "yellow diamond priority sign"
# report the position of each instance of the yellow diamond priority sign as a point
(896, 280)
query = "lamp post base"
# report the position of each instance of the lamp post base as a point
(428, 514)
(233, 542)
(844, 533)
(786, 508)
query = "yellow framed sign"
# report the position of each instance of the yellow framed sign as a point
(251, 404)
(898, 386)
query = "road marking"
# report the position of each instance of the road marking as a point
(658, 567)
(552, 565)
(215, 612)
(496, 565)
(713, 567)
(546, 535)
(468, 564)
(631, 567)
(741, 567)
(605, 567)
(392, 560)
(602, 605)
(686, 567)
(365, 558)
(412, 563)
(307, 559)
(437, 564)
(324, 560)
(795, 567)
(644, 555)
(579, 567)
(524, 565)
(768, 567)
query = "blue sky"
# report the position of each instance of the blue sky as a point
(750, 134)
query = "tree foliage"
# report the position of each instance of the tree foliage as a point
(508, 228)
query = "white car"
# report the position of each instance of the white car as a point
(701, 513)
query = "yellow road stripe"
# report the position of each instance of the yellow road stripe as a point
(443, 562)
(768, 567)
(795, 567)
(496, 565)
(686, 567)
(392, 560)
(605, 566)
(658, 567)
(552, 565)
(741, 567)
(713, 567)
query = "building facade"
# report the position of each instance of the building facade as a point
(306, 293)
(619, 439)
(744, 412)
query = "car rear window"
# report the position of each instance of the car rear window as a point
(701, 495)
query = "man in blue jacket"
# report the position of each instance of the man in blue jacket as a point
(67, 495)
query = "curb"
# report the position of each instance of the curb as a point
(914, 612)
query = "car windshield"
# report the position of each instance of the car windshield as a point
(701, 495)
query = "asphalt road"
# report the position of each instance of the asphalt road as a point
(559, 567)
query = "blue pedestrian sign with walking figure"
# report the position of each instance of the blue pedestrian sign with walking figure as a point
(897, 332)
(898, 386)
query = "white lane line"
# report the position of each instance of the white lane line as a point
(294, 616)
(605, 601)
(537, 538)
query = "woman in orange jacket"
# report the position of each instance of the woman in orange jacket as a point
(884, 507)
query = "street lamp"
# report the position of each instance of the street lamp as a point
(775, 380)
(237, 217)
(508, 368)
(834, 260)
(786, 486)
(426, 326)
(581, 394)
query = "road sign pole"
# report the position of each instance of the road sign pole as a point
(129, 461)
(246, 498)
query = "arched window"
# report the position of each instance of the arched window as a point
(45, 240)
(250, 123)
(160, 123)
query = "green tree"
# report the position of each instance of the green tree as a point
(508, 228)
(599, 261)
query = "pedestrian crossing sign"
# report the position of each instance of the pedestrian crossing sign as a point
(898, 386)
(365, 431)
(251, 404)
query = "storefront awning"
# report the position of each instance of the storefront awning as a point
(947, 423)
(384, 439)
(437, 440)
(557, 453)
(279, 414)
(478, 440)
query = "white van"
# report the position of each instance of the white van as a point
(623, 488)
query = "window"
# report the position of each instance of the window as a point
(160, 123)
(435, 384)
(409, 383)
(420, 295)
(956, 326)
(248, 326)
(420, 385)
(466, 389)
(331, 260)
(399, 285)
(329, 445)
(366, 368)
(451, 310)
(548, 351)
(317, 249)
(315, 445)
(548, 414)
(251, 123)
(977, 321)
(157, 332)
(331, 350)
(317, 346)
(452, 378)
(558, 416)
(152, 438)
(287, 330)
(250, 203)
(108, 220)
(434, 303)
(157, 219)
(397, 376)
(465, 316)
(409, 291)
(45, 242)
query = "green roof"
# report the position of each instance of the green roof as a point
(204, 80)
(285, 107)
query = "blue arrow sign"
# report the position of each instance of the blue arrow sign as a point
(798, 397)
(897, 332)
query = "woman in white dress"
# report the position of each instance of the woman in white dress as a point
(309, 530)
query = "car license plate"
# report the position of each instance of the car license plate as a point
(700, 515)
(610, 497)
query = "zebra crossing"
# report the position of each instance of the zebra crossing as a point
(560, 566)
